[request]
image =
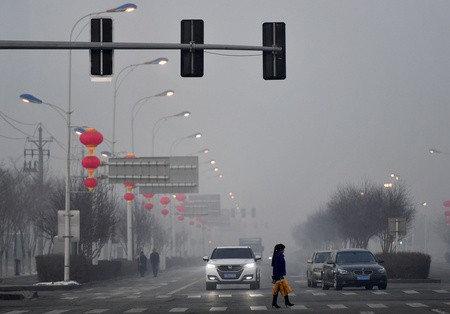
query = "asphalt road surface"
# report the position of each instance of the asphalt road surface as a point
(183, 291)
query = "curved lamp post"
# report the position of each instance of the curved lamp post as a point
(158, 124)
(66, 115)
(118, 83)
(178, 140)
(166, 93)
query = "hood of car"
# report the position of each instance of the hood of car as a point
(352, 266)
(231, 261)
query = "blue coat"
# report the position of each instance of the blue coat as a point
(279, 265)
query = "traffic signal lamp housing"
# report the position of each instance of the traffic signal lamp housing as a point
(101, 59)
(274, 62)
(192, 60)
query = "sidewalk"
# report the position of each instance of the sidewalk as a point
(28, 283)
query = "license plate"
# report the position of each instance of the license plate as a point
(362, 277)
(229, 276)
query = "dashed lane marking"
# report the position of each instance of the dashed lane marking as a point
(417, 305)
(380, 292)
(56, 311)
(439, 311)
(318, 293)
(255, 295)
(225, 295)
(337, 306)
(179, 309)
(410, 291)
(258, 308)
(96, 311)
(16, 312)
(441, 291)
(136, 310)
(184, 287)
(299, 307)
(163, 296)
(218, 309)
(377, 306)
(349, 293)
(194, 296)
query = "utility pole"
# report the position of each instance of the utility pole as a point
(34, 162)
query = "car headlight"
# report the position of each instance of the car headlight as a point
(381, 270)
(250, 265)
(209, 265)
(341, 271)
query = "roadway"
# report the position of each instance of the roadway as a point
(183, 291)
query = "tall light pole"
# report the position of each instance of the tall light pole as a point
(66, 115)
(118, 83)
(166, 93)
(178, 140)
(159, 122)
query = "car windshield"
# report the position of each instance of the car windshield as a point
(321, 257)
(354, 257)
(232, 253)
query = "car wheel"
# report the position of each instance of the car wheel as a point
(369, 287)
(313, 283)
(382, 286)
(211, 286)
(337, 285)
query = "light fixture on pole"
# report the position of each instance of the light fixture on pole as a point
(31, 99)
(166, 93)
(158, 124)
(118, 83)
(195, 135)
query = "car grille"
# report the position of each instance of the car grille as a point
(362, 272)
(232, 268)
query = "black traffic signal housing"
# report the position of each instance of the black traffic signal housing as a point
(192, 32)
(101, 59)
(274, 62)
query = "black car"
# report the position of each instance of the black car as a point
(353, 268)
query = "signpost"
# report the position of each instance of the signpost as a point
(397, 226)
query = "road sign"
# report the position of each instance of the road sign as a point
(74, 225)
(156, 174)
(397, 225)
(202, 205)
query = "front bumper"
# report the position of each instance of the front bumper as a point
(239, 276)
(351, 280)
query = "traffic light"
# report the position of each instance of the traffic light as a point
(101, 59)
(274, 62)
(192, 60)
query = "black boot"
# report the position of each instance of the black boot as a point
(274, 301)
(286, 301)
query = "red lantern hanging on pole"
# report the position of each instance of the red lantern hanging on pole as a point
(90, 183)
(91, 138)
(129, 197)
(180, 197)
(149, 206)
(180, 218)
(164, 200)
(165, 211)
(180, 208)
(90, 162)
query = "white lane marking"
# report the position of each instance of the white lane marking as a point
(16, 312)
(258, 308)
(410, 291)
(136, 310)
(319, 293)
(69, 298)
(224, 295)
(179, 309)
(417, 305)
(349, 293)
(255, 295)
(96, 311)
(441, 291)
(184, 287)
(299, 307)
(194, 296)
(337, 306)
(439, 311)
(163, 296)
(218, 309)
(132, 297)
(377, 306)
(102, 297)
(380, 292)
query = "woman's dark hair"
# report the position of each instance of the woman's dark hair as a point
(277, 248)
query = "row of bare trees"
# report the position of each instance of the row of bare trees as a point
(28, 215)
(354, 215)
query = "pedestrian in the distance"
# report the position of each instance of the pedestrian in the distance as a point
(154, 260)
(142, 264)
(279, 271)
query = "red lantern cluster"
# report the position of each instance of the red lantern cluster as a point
(148, 201)
(180, 207)
(129, 196)
(164, 200)
(91, 138)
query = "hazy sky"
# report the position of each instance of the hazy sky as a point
(366, 94)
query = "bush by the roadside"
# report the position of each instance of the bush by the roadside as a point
(177, 261)
(406, 265)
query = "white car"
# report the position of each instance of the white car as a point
(315, 266)
(232, 265)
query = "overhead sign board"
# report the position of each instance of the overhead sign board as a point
(202, 205)
(177, 174)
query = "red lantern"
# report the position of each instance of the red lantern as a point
(148, 195)
(90, 162)
(180, 218)
(149, 206)
(129, 185)
(91, 138)
(447, 213)
(164, 200)
(165, 211)
(180, 197)
(180, 208)
(129, 196)
(447, 203)
(90, 183)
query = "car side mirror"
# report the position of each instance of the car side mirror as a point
(309, 261)
(205, 258)
(257, 257)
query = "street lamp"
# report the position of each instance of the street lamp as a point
(195, 135)
(66, 115)
(117, 84)
(163, 119)
(166, 93)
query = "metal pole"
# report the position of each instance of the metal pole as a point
(67, 205)
(129, 232)
(396, 235)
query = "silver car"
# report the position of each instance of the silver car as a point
(315, 266)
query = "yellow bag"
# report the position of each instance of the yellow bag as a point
(282, 286)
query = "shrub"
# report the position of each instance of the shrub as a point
(406, 265)
(50, 268)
